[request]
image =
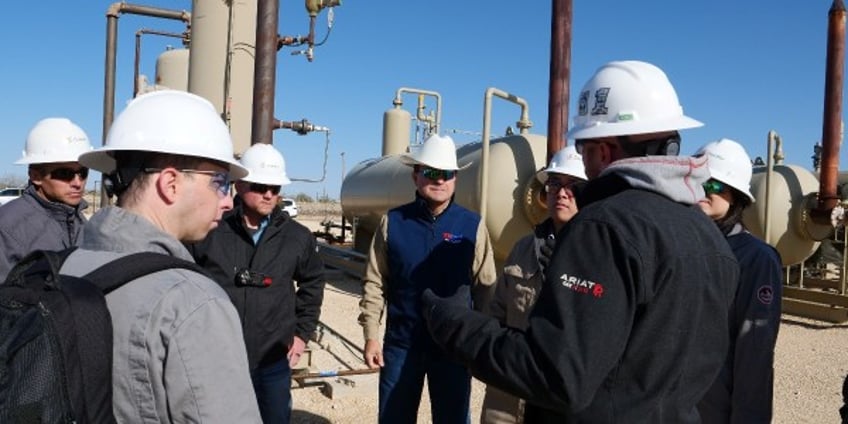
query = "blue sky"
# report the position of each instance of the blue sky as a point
(741, 67)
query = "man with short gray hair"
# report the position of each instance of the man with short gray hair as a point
(433, 243)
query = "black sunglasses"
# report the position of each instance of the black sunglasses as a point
(263, 188)
(68, 174)
(437, 174)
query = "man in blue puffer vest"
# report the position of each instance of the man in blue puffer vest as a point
(429, 243)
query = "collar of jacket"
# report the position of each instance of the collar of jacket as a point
(55, 208)
(601, 188)
(425, 208)
(277, 214)
(545, 229)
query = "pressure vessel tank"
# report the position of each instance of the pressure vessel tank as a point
(223, 36)
(172, 69)
(513, 204)
(793, 194)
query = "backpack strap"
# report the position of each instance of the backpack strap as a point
(115, 274)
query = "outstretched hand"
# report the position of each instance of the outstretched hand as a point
(546, 251)
(435, 306)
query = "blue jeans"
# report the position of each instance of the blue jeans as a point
(402, 379)
(272, 385)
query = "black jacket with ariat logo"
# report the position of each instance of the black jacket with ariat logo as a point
(286, 257)
(631, 321)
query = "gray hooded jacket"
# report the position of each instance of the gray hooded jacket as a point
(31, 223)
(178, 350)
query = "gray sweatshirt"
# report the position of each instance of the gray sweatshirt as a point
(178, 348)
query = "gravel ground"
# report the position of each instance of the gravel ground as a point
(810, 365)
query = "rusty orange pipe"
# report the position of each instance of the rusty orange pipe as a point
(832, 125)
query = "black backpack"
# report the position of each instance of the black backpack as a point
(56, 337)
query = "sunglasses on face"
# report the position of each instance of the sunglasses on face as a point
(714, 187)
(68, 174)
(555, 185)
(263, 188)
(437, 174)
(220, 181)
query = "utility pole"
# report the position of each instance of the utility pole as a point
(343, 166)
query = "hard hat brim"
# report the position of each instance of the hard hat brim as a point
(410, 161)
(614, 129)
(102, 160)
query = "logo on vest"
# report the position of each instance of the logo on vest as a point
(581, 285)
(451, 238)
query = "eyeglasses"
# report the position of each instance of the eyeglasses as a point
(68, 174)
(263, 188)
(555, 185)
(714, 187)
(220, 181)
(437, 174)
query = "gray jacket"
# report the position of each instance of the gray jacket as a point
(178, 349)
(31, 223)
(519, 285)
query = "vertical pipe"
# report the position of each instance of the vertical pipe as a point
(560, 69)
(112, 13)
(484, 157)
(137, 63)
(832, 125)
(766, 219)
(109, 85)
(265, 71)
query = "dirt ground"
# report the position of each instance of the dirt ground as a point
(810, 365)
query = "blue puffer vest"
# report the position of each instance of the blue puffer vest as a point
(425, 252)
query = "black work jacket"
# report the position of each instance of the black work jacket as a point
(631, 322)
(285, 257)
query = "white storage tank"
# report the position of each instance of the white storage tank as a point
(172, 69)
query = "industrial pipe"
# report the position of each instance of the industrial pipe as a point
(112, 14)
(832, 124)
(398, 101)
(137, 62)
(775, 157)
(265, 71)
(523, 125)
(560, 70)
(333, 373)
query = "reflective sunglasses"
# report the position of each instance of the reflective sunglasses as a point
(68, 174)
(714, 186)
(437, 174)
(263, 188)
(554, 186)
(220, 180)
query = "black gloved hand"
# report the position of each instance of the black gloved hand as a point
(546, 250)
(435, 307)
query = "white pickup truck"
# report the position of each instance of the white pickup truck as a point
(8, 194)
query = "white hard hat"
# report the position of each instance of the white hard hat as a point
(437, 152)
(167, 121)
(266, 165)
(54, 140)
(626, 98)
(566, 162)
(729, 163)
